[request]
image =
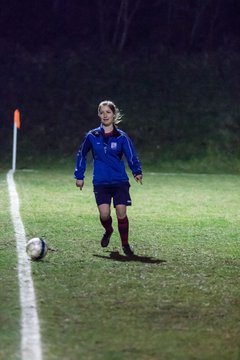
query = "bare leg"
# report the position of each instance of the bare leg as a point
(121, 211)
(104, 211)
(106, 221)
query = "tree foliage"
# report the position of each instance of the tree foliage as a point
(172, 66)
(123, 25)
(182, 106)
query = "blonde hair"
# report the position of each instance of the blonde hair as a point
(116, 112)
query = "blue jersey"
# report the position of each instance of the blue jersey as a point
(107, 152)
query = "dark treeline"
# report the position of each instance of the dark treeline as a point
(174, 106)
(173, 67)
(122, 25)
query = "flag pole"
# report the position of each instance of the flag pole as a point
(16, 125)
(14, 152)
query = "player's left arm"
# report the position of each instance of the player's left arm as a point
(132, 159)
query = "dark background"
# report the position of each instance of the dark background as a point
(171, 66)
(121, 25)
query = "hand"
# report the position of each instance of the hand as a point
(80, 183)
(138, 178)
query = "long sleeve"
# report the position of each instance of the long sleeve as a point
(131, 156)
(81, 158)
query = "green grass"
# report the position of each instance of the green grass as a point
(179, 300)
(9, 293)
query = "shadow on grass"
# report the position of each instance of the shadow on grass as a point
(114, 255)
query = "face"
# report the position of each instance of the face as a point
(106, 115)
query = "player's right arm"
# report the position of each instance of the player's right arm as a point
(81, 160)
(80, 184)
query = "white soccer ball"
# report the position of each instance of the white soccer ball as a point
(36, 248)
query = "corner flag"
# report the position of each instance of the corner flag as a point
(16, 125)
(17, 118)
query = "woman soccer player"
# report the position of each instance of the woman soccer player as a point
(108, 144)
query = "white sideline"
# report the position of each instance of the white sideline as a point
(30, 329)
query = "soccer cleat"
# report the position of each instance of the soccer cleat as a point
(105, 239)
(127, 250)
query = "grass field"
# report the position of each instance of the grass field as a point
(179, 299)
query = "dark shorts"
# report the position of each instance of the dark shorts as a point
(118, 192)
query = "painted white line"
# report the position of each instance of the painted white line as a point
(184, 174)
(30, 329)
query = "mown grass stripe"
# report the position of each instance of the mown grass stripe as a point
(30, 329)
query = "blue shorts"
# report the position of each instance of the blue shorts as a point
(118, 192)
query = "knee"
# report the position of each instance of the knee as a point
(121, 213)
(104, 212)
(104, 215)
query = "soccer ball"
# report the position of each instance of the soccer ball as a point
(36, 248)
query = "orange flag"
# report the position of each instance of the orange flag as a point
(17, 118)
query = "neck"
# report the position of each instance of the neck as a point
(108, 129)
